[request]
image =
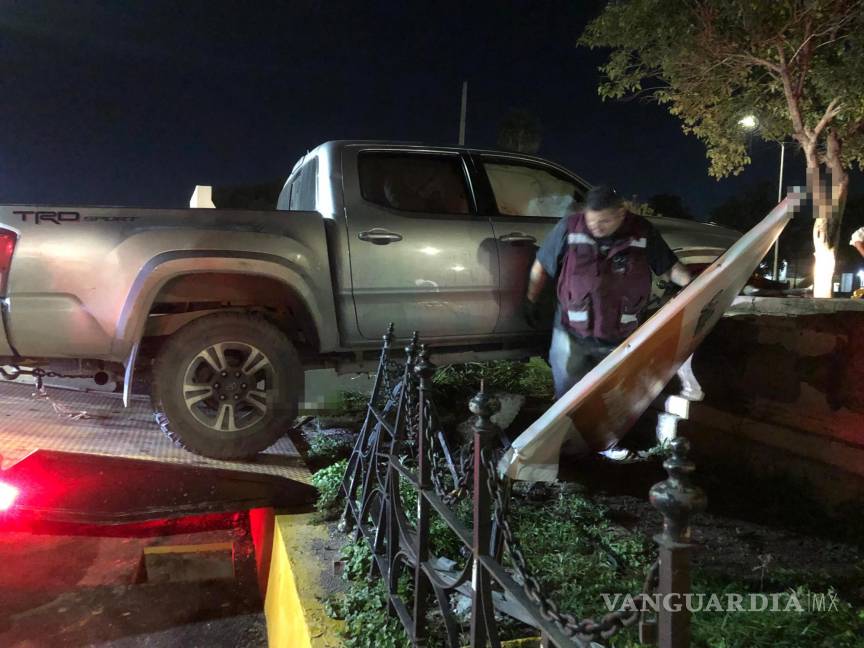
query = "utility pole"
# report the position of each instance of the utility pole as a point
(463, 113)
(774, 274)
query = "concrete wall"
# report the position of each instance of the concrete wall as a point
(784, 380)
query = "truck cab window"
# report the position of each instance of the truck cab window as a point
(304, 189)
(414, 182)
(527, 190)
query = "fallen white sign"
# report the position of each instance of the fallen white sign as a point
(604, 405)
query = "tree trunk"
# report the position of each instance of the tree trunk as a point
(829, 189)
(823, 260)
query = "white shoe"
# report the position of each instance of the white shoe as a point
(621, 455)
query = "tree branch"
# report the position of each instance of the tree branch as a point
(643, 92)
(755, 60)
(801, 133)
(804, 64)
(716, 48)
(832, 150)
(834, 108)
(854, 129)
(808, 46)
(809, 36)
(833, 40)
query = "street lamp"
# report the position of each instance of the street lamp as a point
(751, 123)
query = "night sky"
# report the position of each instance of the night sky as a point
(134, 103)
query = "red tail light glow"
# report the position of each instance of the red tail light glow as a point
(8, 494)
(7, 247)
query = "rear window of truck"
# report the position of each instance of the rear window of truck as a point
(414, 182)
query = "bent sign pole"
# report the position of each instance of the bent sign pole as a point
(602, 407)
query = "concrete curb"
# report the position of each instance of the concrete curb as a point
(292, 606)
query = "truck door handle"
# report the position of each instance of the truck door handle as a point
(379, 236)
(517, 237)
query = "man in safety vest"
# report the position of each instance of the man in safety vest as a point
(602, 259)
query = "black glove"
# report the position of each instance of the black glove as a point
(669, 289)
(531, 311)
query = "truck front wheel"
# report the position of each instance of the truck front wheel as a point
(227, 385)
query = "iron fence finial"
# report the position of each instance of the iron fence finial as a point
(484, 406)
(424, 367)
(411, 347)
(678, 498)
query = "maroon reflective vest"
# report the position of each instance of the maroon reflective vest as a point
(603, 296)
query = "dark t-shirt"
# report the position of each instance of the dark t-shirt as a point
(551, 252)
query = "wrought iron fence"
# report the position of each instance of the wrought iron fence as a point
(401, 444)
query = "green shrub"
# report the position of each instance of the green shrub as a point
(442, 540)
(367, 623)
(358, 560)
(363, 606)
(328, 481)
(461, 381)
(330, 447)
(839, 628)
(354, 401)
(578, 555)
(536, 379)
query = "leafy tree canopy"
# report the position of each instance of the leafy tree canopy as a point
(711, 62)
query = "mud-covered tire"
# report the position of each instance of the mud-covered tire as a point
(211, 363)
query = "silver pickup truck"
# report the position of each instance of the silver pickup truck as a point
(223, 310)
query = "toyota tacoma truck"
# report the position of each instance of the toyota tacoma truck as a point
(223, 310)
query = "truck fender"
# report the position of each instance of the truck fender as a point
(164, 267)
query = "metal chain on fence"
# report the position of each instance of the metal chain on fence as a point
(391, 448)
(586, 629)
(461, 487)
(390, 378)
(412, 414)
(464, 469)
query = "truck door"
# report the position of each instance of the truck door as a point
(421, 257)
(528, 198)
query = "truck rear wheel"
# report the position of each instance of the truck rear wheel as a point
(227, 385)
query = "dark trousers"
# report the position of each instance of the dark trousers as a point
(572, 357)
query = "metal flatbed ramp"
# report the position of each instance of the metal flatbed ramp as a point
(119, 442)
(28, 423)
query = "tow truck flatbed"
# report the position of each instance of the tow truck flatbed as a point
(141, 473)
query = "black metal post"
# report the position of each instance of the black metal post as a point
(425, 370)
(354, 472)
(385, 524)
(483, 627)
(677, 499)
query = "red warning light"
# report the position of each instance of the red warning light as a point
(8, 493)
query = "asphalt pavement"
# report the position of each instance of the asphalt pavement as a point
(59, 589)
